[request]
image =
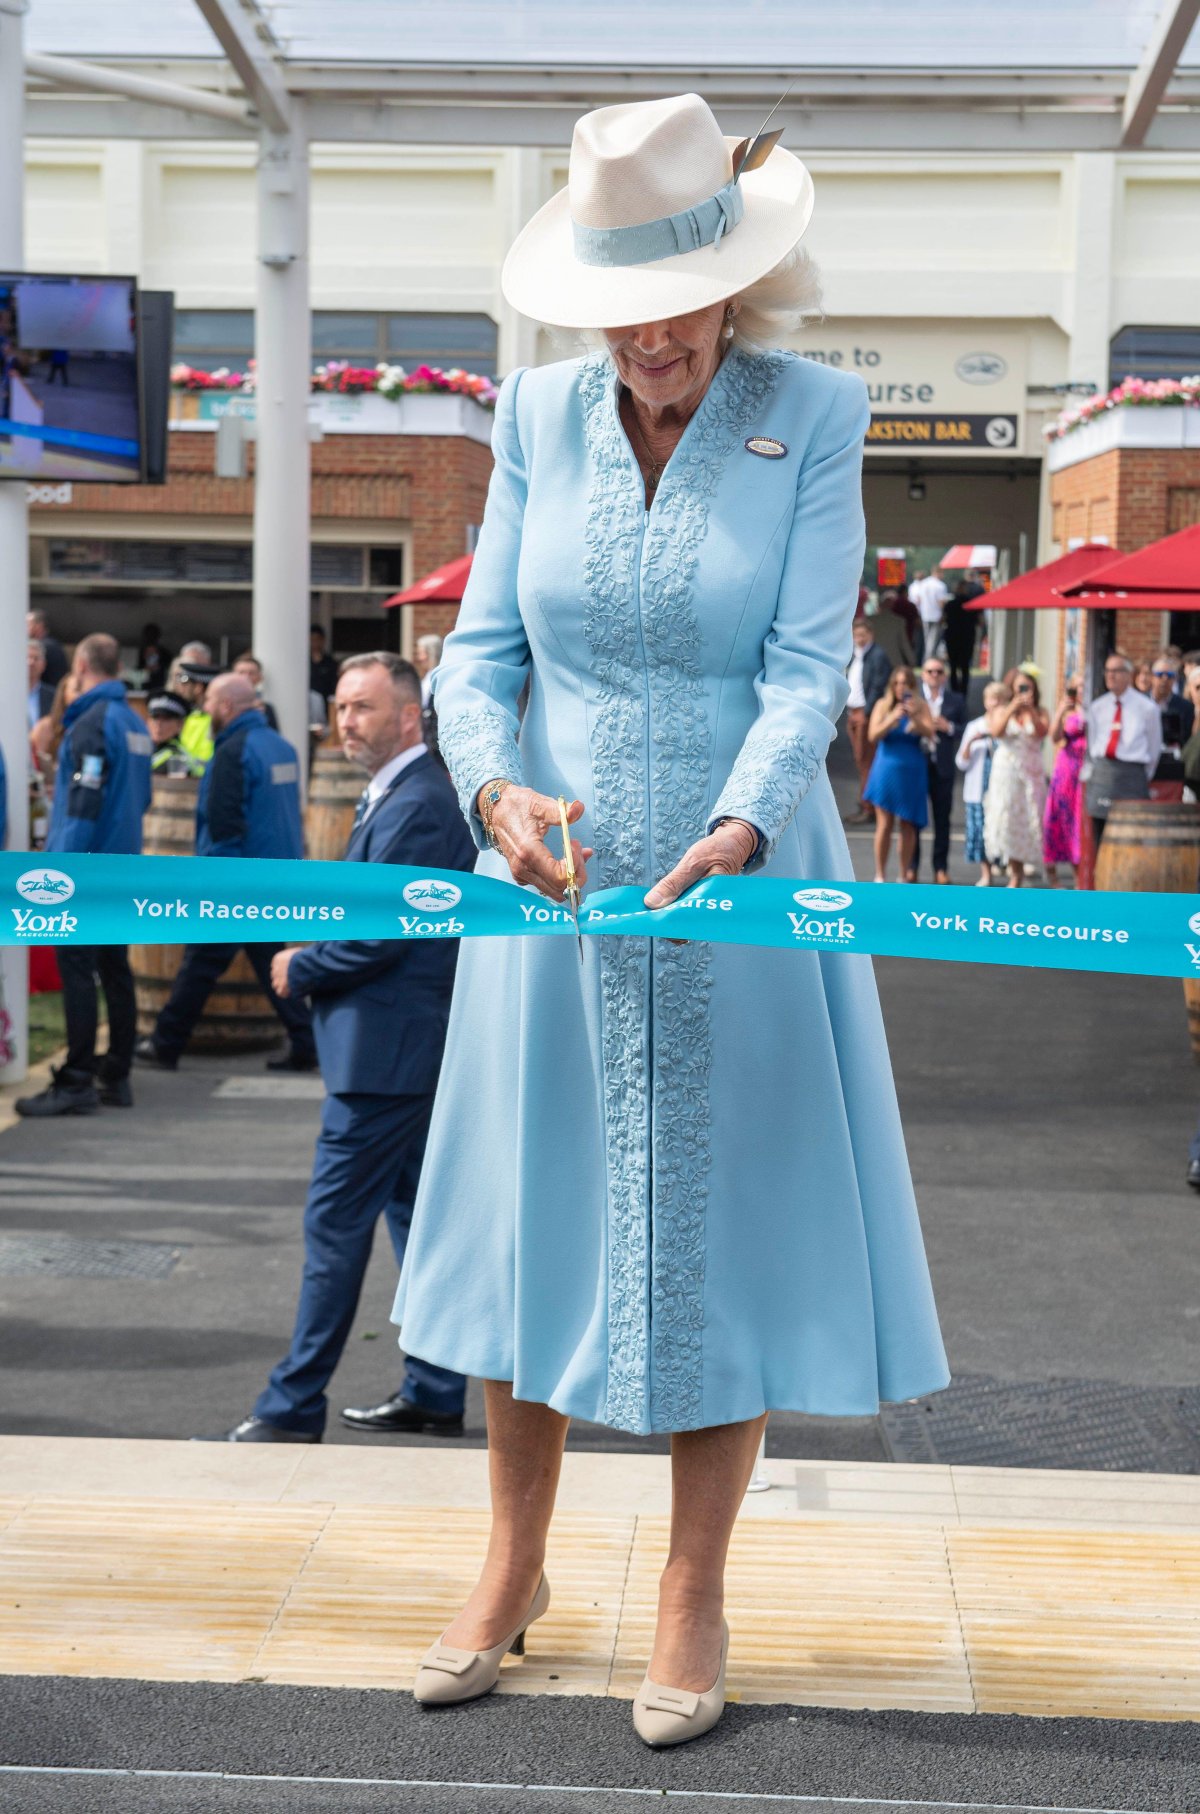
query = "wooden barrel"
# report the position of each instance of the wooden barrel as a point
(1150, 846)
(334, 789)
(1155, 845)
(237, 1016)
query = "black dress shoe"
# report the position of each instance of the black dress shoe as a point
(292, 1061)
(253, 1429)
(147, 1052)
(1193, 1171)
(68, 1093)
(399, 1417)
(114, 1092)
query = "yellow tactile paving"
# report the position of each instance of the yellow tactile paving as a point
(384, 1582)
(234, 1569)
(162, 1591)
(1105, 1623)
(824, 1613)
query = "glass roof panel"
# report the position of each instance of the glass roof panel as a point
(759, 34)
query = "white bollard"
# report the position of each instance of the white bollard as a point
(758, 1480)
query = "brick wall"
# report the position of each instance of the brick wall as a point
(1129, 496)
(435, 483)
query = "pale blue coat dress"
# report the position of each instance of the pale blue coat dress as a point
(667, 1189)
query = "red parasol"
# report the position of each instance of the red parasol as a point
(444, 586)
(969, 554)
(1163, 576)
(1041, 588)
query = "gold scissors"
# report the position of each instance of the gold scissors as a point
(569, 862)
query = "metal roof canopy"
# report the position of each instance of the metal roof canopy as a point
(1063, 75)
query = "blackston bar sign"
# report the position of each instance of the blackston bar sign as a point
(943, 432)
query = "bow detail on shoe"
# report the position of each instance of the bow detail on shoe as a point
(449, 1660)
(669, 1700)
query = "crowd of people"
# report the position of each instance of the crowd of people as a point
(911, 741)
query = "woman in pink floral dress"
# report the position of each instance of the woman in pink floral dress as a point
(1068, 732)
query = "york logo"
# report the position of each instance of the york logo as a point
(1193, 923)
(831, 899)
(29, 924)
(981, 368)
(1193, 952)
(431, 895)
(840, 931)
(45, 886)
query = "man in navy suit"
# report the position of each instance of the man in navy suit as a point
(949, 717)
(379, 1009)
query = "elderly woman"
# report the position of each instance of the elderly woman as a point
(665, 1189)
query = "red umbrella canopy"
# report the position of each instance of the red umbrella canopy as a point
(444, 586)
(1171, 565)
(1041, 588)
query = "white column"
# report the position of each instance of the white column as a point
(1089, 300)
(14, 522)
(517, 341)
(282, 349)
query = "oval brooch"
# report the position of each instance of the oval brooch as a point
(764, 444)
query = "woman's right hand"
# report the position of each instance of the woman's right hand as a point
(521, 819)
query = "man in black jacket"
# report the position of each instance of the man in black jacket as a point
(380, 1008)
(949, 717)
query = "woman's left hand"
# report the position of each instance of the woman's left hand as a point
(725, 852)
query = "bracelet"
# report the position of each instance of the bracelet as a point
(489, 794)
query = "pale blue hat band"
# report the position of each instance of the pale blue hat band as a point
(702, 225)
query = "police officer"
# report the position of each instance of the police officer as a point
(165, 716)
(190, 676)
(249, 806)
(102, 790)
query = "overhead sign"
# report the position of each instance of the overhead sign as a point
(932, 389)
(944, 432)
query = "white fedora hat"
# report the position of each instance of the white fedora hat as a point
(653, 221)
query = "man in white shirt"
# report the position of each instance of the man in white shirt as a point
(868, 675)
(1124, 730)
(929, 594)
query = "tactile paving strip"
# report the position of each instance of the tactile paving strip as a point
(979, 1421)
(68, 1257)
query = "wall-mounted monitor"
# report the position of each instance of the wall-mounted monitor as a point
(70, 390)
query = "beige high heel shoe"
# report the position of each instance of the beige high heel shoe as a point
(670, 1716)
(448, 1674)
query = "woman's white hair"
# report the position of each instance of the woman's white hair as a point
(773, 310)
(770, 312)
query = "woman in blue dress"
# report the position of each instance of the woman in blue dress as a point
(665, 1189)
(898, 784)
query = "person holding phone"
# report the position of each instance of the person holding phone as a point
(898, 785)
(1016, 798)
(1068, 734)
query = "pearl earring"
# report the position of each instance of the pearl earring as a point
(727, 330)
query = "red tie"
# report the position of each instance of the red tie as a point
(1114, 736)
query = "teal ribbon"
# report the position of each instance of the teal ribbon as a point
(704, 225)
(86, 900)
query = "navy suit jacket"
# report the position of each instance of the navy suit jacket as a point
(380, 1006)
(954, 711)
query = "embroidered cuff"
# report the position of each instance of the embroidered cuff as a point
(479, 746)
(767, 783)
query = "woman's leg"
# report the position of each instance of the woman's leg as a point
(908, 850)
(710, 1471)
(883, 842)
(1016, 873)
(525, 1446)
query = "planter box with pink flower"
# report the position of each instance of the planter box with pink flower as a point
(378, 400)
(1160, 412)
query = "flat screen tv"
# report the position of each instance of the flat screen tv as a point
(70, 390)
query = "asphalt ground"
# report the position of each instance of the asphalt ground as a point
(536, 1753)
(1047, 1116)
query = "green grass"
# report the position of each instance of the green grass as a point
(47, 1029)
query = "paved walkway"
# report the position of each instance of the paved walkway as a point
(872, 1608)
